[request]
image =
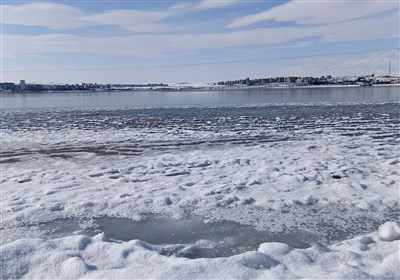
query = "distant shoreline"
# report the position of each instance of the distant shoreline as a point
(205, 88)
(307, 86)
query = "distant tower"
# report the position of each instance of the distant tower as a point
(22, 84)
(390, 67)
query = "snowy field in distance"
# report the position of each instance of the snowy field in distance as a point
(327, 172)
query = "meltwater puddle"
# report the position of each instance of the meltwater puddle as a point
(191, 237)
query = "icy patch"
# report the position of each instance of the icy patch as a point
(258, 260)
(194, 237)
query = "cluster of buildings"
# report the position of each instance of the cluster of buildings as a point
(25, 87)
(327, 80)
(313, 81)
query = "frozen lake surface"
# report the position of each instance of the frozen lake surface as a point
(189, 237)
(274, 187)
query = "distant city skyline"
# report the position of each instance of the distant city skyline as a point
(190, 36)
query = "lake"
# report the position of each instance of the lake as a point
(200, 98)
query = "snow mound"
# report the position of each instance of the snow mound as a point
(258, 260)
(389, 231)
(82, 257)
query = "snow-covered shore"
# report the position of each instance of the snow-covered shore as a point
(328, 171)
(371, 256)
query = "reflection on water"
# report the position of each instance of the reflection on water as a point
(200, 98)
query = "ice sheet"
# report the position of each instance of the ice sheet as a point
(331, 171)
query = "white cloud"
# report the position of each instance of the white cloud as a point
(53, 16)
(134, 45)
(317, 12)
(211, 4)
(146, 27)
(377, 62)
(61, 17)
(158, 45)
(373, 63)
(180, 6)
(363, 29)
(131, 19)
(302, 44)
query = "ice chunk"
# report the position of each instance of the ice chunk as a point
(258, 260)
(274, 249)
(389, 231)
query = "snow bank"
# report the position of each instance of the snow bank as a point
(82, 257)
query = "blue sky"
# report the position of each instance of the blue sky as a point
(72, 35)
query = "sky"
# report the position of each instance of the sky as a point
(135, 41)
